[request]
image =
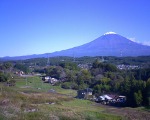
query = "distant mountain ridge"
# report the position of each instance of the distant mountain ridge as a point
(109, 44)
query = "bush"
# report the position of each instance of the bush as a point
(70, 85)
(3, 77)
(66, 85)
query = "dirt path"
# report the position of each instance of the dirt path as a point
(128, 113)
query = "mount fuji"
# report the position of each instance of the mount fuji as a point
(109, 44)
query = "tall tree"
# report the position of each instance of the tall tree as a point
(148, 91)
(138, 98)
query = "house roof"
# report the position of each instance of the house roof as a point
(121, 96)
(88, 90)
(103, 97)
(107, 97)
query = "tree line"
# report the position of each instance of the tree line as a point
(105, 78)
(102, 77)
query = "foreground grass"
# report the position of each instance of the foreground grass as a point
(18, 103)
(30, 100)
(79, 110)
(144, 108)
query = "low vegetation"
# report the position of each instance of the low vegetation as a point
(23, 94)
(20, 103)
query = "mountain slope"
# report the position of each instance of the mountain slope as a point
(109, 44)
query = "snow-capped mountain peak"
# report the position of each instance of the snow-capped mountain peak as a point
(107, 33)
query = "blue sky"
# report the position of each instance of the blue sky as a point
(44, 26)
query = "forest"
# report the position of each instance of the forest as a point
(98, 73)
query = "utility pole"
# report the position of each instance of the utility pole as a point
(1, 90)
(26, 81)
(41, 84)
(74, 57)
(33, 82)
(48, 62)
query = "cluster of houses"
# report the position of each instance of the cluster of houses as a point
(109, 99)
(48, 79)
(85, 66)
(128, 67)
(106, 99)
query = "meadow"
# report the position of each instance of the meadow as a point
(30, 99)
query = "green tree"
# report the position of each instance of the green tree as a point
(70, 75)
(110, 67)
(84, 76)
(148, 91)
(138, 98)
(22, 67)
(7, 65)
(105, 80)
(3, 77)
(56, 72)
(96, 63)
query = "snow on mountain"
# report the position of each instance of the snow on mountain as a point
(107, 33)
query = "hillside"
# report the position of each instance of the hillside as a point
(108, 45)
(23, 102)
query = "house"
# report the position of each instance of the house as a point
(53, 81)
(48, 79)
(116, 100)
(20, 73)
(128, 67)
(105, 99)
(84, 94)
(121, 99)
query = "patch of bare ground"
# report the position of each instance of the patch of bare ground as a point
(126, 112)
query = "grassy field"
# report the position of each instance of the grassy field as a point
(18, 105)
(30, 100)
(36, 84)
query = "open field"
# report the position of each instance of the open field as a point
(35, 84)
(26, 102)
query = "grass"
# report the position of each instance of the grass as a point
(90, 112)
(35, 83)
(144, 108)
(76, 109)
(17, 103)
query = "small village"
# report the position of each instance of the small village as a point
(87, 94)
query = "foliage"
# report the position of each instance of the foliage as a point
(100, 75)
(22, 67)
(3, 77)
(69, 85)
(138, 98)
(148, 91)
(55, 72)
(66, 85)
